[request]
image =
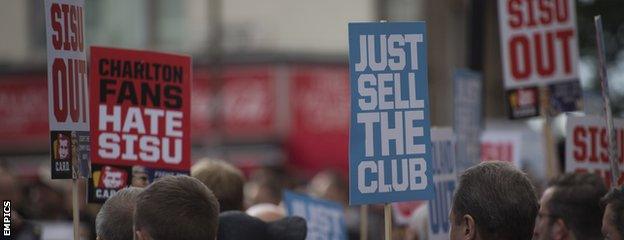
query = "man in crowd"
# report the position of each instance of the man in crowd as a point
(176, 207)
(225, 181)
(495, 201)
(114, 221)
(613, 219)
(570, 208)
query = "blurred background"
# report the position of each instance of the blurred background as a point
(270, 81)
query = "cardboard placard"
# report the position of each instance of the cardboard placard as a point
(443, 149)
(389, 141)
(539, 47)
(502, 146)
(140, 109)
(587, 148)
(325, 219)
(67, 89)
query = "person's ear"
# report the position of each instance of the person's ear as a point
(469, 228)
(559, 230)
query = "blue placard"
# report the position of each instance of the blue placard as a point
(325, 219)
(443, 149)
(389, 139)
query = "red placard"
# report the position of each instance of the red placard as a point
(140, 108)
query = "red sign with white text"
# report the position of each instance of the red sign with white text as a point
(587, 146)
(539, 43)
(140, 108)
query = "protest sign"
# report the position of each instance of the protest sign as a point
(467, 116)
(539, 47)
(502, 146)
(68, 109)
(140, 118)
(325, 219)
(587, 146)
(403, 211)
(443, 151)
(389, 155)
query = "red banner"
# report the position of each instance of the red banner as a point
(319, 132)
(249, 101)
(23, 100)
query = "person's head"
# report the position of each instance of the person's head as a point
(267, 212)
(570, 208)
(494, 200)
(330, 185)
(114, 221)
(176, 207)
(225, 181)
(237, 225)
(265, 185)
(10, 186)
(613, 219)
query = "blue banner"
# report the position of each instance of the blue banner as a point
(325, 219)
(389, 139)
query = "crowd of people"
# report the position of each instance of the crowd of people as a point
(494, 200)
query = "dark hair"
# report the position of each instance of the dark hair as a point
(500, 199)
(179, 207)
(615, 198)
(225, 181)
(576, 200)
(114, 221)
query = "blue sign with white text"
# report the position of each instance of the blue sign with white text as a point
(325, 219)
(389, 138)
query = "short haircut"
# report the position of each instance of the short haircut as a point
(615, 197)
(114, 221)
(576, 200)
(500, 199)
(177, 207)
(225, 181)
